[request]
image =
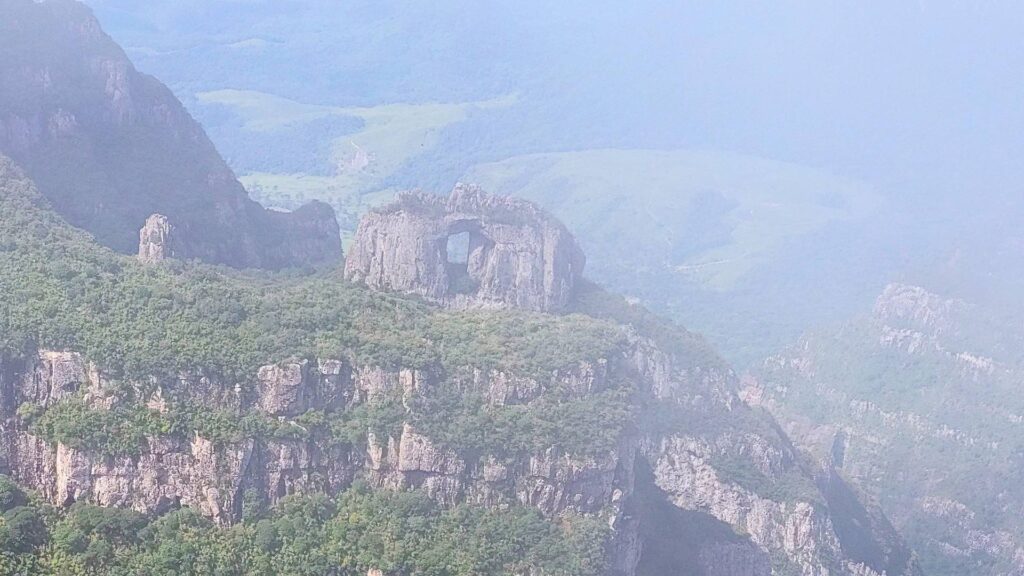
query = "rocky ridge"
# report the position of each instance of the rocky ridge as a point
(217, 477)
(667, 435)
(891, 399)
(717, 467)
(110, 146)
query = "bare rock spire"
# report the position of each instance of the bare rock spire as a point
(155, 239)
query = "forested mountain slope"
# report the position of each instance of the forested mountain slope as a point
(109, 146)
(255, 400)
(919, 405)
(408, 414)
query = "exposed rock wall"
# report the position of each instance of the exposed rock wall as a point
(109, 146)
(217, 478)
(213, 477)
(517, 256)
(155, 243)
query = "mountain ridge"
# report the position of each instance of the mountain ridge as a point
(110, 146)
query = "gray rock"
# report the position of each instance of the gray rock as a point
(284, 388)
(217, 477)
(108, 146)
(517, 255)
(155, 242)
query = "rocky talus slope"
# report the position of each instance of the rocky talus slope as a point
(918, 404)
(110, 146)
(604, 412)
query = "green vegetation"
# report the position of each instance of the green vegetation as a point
(61, 291)
(460, 419)
(919, 419)
(705, 237)
(590, 424)
(711, 216)
(793, 485)
(399, 533)
(123, 430)
(688, 349)
(355, 150)
(141, 324)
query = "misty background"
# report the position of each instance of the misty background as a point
(753, 169)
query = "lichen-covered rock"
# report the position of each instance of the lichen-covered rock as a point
(517, 256)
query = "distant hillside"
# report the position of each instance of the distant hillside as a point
(110, 146)
(918, 404)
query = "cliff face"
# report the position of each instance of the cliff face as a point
(109, 147)
(156, 240)
(588, 414)
(689, 465)
(517, 256)
(892, 400)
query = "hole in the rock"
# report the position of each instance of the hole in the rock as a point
(458, 248)
(459, 281)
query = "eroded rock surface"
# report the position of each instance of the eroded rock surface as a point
(155, 240)
(517, 255)
(692, 463)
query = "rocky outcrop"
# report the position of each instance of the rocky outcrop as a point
(516, 255)
(109, 147)
(215, 477)
(155, 242)
(764, 527)
(905, 305)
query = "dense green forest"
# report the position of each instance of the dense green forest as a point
(360, 530)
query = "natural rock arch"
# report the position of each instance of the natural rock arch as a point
(517, 255)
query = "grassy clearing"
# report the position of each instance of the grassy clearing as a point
(360, 162)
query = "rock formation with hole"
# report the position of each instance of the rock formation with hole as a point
(518, 256)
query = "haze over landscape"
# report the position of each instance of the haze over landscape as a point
(719, 289)
(820, 151)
